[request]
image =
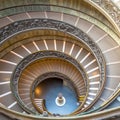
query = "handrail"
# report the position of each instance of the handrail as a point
(24, 8)
(98, 115)
(33, 102)
(111, 98)
(91, 45)
(104, 104)
(5, 10)
(31, 5)
(44, 107)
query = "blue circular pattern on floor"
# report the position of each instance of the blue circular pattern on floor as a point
(69, 94)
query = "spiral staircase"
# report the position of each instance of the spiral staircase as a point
(77, 41)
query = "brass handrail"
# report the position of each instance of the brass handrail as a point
(98, 115)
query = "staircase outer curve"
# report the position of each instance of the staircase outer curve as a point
(102, 34)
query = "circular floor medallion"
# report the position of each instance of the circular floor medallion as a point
(60, 100)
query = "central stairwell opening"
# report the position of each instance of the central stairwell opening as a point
(49, 89)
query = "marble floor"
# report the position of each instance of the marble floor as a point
(50, 89)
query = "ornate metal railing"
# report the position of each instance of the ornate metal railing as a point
(32, 24)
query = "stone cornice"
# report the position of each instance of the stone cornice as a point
(107, 7)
